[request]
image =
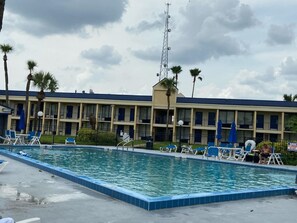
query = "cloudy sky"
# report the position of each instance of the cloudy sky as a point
(245, 48)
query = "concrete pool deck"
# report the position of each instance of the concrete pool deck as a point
(27, 192)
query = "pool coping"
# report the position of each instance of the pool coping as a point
(153, 203)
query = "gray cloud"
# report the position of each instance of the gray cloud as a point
(105, 57)
(148, 54)
(280, 34)
(146, 25)
(206, 31)
(289, 66)
(63, 16)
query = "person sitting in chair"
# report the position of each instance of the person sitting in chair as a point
(264, 153)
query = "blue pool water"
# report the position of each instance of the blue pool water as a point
(156, 176)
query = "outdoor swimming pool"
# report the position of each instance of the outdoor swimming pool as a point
(153, 177)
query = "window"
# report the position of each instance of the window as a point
(185, 115)
(274, 122)
(211, 136)
(121, 115)
(260, 121)
(198, 135)
(245, 119)
(212, 118)
(198, 118)
(106, 112)
(144, 114)
(132, 112)
(227, 117)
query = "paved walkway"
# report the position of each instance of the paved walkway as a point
(26, 192)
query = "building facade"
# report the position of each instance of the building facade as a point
(146, 116)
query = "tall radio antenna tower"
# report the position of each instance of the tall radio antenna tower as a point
(164, 56)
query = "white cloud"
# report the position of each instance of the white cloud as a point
(115, 46)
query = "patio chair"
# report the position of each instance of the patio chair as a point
(70, 140)
(212, 151)
(186, 149)
(14, 139)
(275, 158)
(30, 136)
(36, 139)
(6, 139)
(3, 163)
(249, 148)
(199, 149)
(169, 148)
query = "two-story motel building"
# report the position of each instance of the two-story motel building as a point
(143, 116)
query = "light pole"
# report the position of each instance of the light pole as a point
(180, 124)
(39, 114)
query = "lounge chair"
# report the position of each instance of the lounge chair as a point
(69, 140)
(249, 148)
(168, 148)
(36, 139)
(212, 151)
(199, 149)
(6, 139)
(275, 158)
(3, 163)
(187, 149)
(14, 139)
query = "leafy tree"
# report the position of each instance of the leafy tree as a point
(5, 48)
(31, 65)
(176, 70)
(170, 85)
(195, 74)
(43, 81)
(292, 123)
(2, 4)
(289, 97)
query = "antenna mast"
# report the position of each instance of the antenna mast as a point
(164, 56)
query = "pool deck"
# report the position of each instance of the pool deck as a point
(26, 192)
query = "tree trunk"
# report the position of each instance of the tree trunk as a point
(193, 86)
(40, 97)
(167, 123)
(27, 112)
(6, 79)
(2, 4)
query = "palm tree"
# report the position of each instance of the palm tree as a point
(2, 4)
(43, 81)
(195, 74)
(170, 85)
(31, 65)
(289, 97)
(176, 70)
(5, 48)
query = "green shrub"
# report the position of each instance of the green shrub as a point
(288, 157)
(92, 137)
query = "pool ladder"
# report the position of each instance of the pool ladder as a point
(125, 144)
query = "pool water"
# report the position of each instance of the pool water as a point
(156, 176)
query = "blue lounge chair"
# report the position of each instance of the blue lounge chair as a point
(212, 151)
(70, 140)
(168, 148)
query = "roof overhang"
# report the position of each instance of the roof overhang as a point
(5, 110)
